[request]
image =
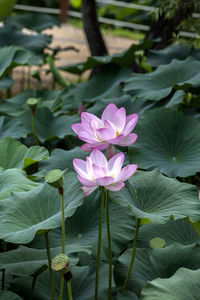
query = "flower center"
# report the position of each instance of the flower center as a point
(92, 178)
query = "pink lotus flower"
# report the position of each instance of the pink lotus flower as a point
(114, 127)
(97, 171)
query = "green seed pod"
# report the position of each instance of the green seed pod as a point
(55, 178)
(157, 243)
(32, 103)
(61, 263)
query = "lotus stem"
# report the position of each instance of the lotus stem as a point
(4, 245)
(33, 128)
(61, 287)
(109, 246)
(3, 279)
(61, 192)
(50, 268)
(69, 287)
(133, 255)
(33, 287)
(99, 244)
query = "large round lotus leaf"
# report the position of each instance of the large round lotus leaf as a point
(137, 106)
(11, 57)
(27, 213)
(61, 159)
(83, 284)
(153, 196)
(165, 56)
(47, 125)
(35, 43)
(6, 83)
(167, 140)
(124, 59)
(127, 295)
(34, 21)
(5, 295)
(25, 261)
(173, 231)
(159, 84)
(6, 8)
(14, 180)
(16, 105)
(104, 84)
(176, 99)
(183, 285)
(151, 264)
(12, 128)
(16, 155)
(82, 228)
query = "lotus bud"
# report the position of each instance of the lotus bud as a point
(61, 263)
(32, 103)
(55, 179)
(81, 109)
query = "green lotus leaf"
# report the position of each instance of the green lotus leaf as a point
(124, 59)
(26, 214)
(173, 231)
(34, 43)
(172, 146)
(83, 284)
(174, 51)
(184, 285)
(16, 155)
(150, 195)
(34, 21)
(26, 261)
(137, 106)
(11, 127)
(17, 105)
(105, 84)
(14, 180)
(151, 264)
(6, 83)
(61, 159)
(47, 125)
(5, 295)
(11, 57)
(160, 83)
(127, 295)
(176, 99)
(82, 228)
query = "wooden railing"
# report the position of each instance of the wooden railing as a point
(117, 23)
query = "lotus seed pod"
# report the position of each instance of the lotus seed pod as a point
(32, 103)
(157, 243)
(55, 178)
(61, 263)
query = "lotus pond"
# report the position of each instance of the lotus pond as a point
(99, 179)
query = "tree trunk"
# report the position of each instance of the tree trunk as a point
(92, 30)
(164, 28)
